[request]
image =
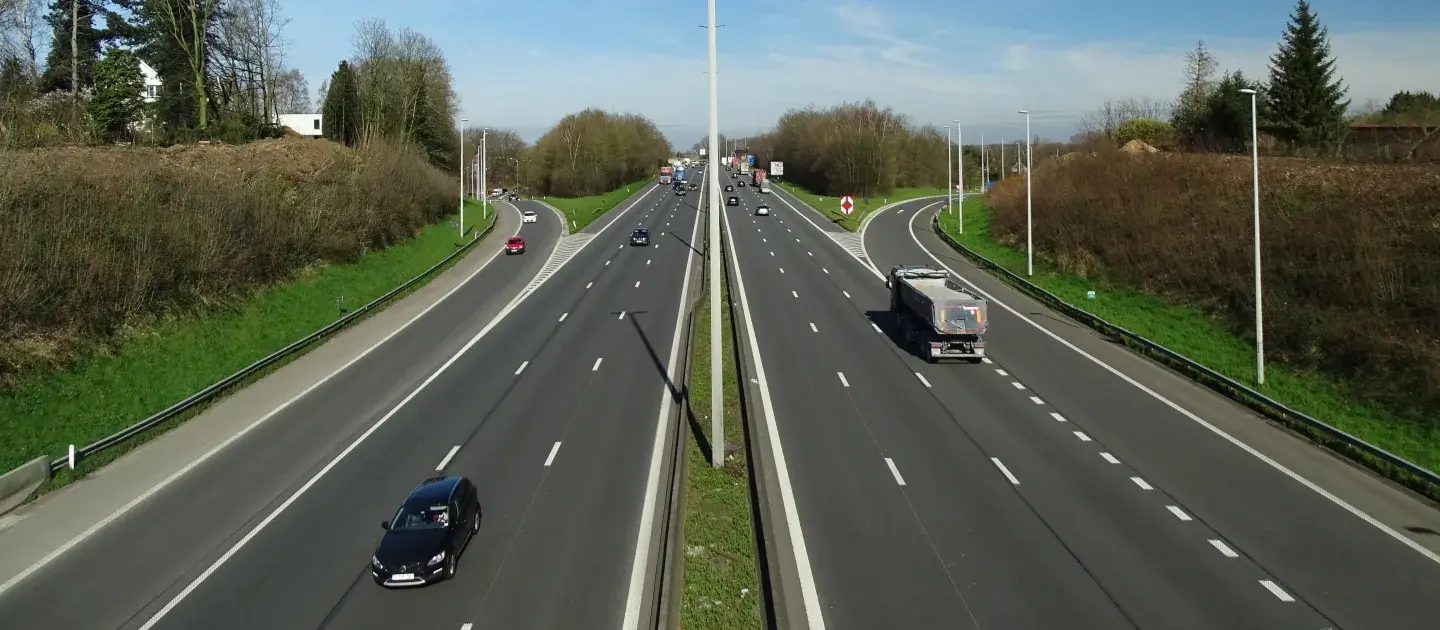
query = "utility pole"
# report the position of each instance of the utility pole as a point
(462, 175)
(717, 381)
(484, 191)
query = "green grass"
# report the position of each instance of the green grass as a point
(1205, 340)
(161, 364)
(830, 206)
(722, 579)
(581, 211)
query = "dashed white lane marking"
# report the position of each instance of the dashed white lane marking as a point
(1141, 482)
(1001, 465)
(521, 368)
(797, 240)
(607, 263)
(564, 315)
(1110, 458)
(847, 296)
(1001, 372)
(597, 364)
(550, 459)
(763, 240)
(589, 284)
(467, 626)
(1057, 417)
(1179, 513)
(782, 270)
(772, 253)
(813, 328)
(647, 261)
(922, 379)
(1275, 590)
(810, 253)
(448, 456)
(637, 284)
(872, 325)
(987, 360)
(797, 295)
(1082, 436)
(1224, 549)
(1017, 384)
(622, 315)
(622, 247)
(842, 379)
(1036, 400)
(824, 270)
(894, 471)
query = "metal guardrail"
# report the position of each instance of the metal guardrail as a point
(1378, 459)
(226, 383)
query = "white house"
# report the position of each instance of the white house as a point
(152, 83)
(307, 125)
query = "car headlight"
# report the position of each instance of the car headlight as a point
(375, 562)
(436, 559)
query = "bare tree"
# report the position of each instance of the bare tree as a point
(1108, 117)
(21, 26)
(1200, 68)
(188, 23)
(292, 93)
(250, 54)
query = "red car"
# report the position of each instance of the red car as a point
(516, 245)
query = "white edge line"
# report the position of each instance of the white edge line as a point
(82, 536)
(448, 456)
(550, 459)
(255, 531)
(894, 471)
(808, 594)
(1297, 477)
(634, 597)
(1001, 465)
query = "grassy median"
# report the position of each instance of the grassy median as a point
(173, 359)
(830, 206)
(581, 211)
(1204, 340)
(722, 578)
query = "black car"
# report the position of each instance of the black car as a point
(679, 192)
(693, 186)
(732, 201)
(640, 236)
(423, 541)
(729, 188)
(740, 183)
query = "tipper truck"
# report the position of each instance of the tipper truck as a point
(938, 317)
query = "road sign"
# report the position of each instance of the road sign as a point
(750, 159)
(847, 205)
(777, 168)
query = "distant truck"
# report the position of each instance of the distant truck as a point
(744, 168)
(938, 317)
(665, 172)
(758, 176)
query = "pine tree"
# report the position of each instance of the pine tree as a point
(340, 115)
(118, 89)
(1305, 104)
(72, 22)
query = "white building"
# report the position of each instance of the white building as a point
(152, 83)
(307, 125)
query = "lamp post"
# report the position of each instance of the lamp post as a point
(1259, 305)
(462, 176)
(1002, 159)
(484, 171)
(960, 176)
(949, 174)
(1029, 240)
(717, 382)
(984, 164)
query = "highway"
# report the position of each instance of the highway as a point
(553, 410)
(1036, 490)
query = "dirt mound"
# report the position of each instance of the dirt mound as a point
(1138, 146)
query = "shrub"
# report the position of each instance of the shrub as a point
(1156, 133)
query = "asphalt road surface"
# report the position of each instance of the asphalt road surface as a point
(552, 412)
(1032, 491)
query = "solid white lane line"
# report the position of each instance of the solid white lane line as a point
(445, 461)
(1179, 513)
(894, 471)
(922, 379)
(563, 316)
(1001, 372)
(842, 379)
(872, 325)
(813, 328)
(795, 294)
(551, 458)
(1275, 590)
(1017, 384)
(1223, 548)
(1008, 475)
(622, 315)
(597, 364)
(1110, 458)
(521, 368)
(1141, 482)
(1082, 436)
(1036, 400)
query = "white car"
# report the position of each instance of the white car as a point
(762, 211)
(528, 216)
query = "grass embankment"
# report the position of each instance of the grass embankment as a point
(1206, 340)
(170, 348)
(581, 211)
(721, 574)
(830, 206)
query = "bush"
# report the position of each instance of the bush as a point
(1156, 133)
(1351, 253)
(99, 240)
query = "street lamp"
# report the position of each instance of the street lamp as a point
(984, 165)
(949, 174)
(1259, 310)
(462, 176)
(717, 382)
(1029, 240)
(960, 176)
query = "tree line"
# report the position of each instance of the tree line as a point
(221, 65)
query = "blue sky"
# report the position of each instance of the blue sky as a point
(523, 65)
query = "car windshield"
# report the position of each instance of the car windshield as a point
(515, 240)
(529, 213)
(420, 516)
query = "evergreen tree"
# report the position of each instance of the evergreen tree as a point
(118, 89)
(75, 18)
(1304, 101)
(340, 115)
(1189, 115)
(147, 30)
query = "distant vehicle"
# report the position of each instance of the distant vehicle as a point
(729, 188)
(516, 245)
(762, 211)
(640, 236)
(528, 216)
(423, 541)
(740, 183)
(665, 174)
(693, 186)
(732, 201)
(758, 177)
(679, 192)
(939, 318)
(764, 189)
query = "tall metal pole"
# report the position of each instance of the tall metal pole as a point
(717, 381)
(960, 176)
(1002, 159)
(949, 174)
(1029, 234)
(462, 176)
(484, 172)
(1259, 304)
(984, 174)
